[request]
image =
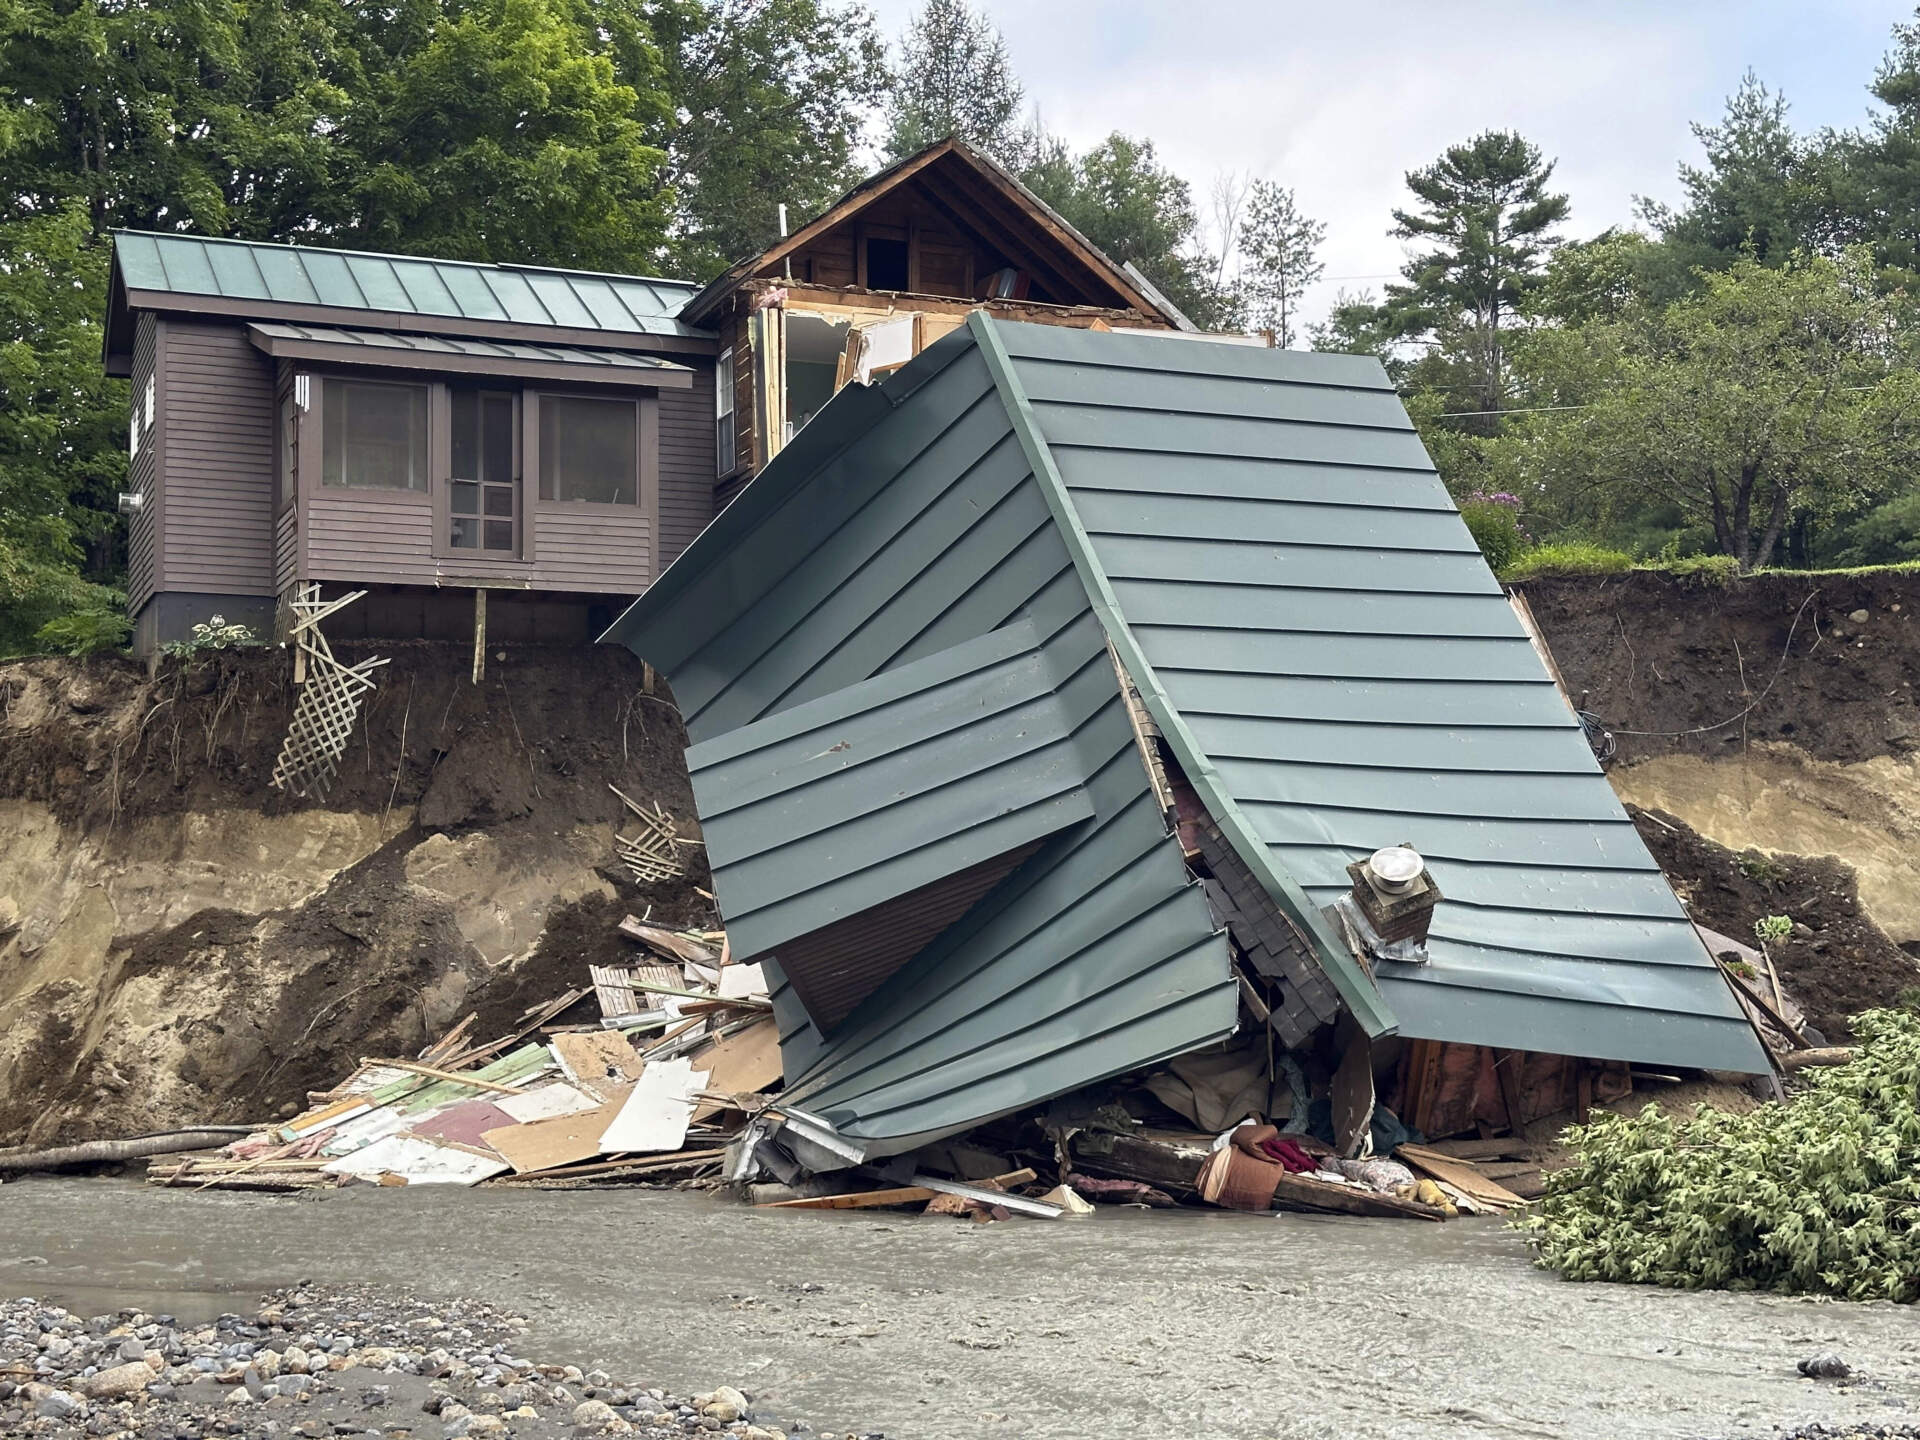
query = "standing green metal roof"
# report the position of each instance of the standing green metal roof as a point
(399, 284)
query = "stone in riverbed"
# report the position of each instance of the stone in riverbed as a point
(593, 1414)
(122, 1382)
(725, 1404)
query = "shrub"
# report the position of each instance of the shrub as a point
(212, 634)
(1494, 522)
(89, 631)
(1820, 1195)
(1573, 557)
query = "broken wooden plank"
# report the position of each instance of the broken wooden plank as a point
(667, 942)
(446, 1077)
(1456, 1172)
(613, 989)
(1019, 1204)
(637, 1165)
(1824, 1055)
(1499, 1148)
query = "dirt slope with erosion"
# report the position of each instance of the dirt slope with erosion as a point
(1770, 725)
(181, 942)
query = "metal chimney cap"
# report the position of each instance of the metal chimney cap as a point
(1396, 867)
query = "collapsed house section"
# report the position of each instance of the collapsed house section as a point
(1073, 705)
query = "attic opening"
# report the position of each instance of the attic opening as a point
(887, 267)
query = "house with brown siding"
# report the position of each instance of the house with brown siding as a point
(434, 430)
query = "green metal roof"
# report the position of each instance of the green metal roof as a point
(399, 284)
(823, 811)
(378, 347)
(1338, 670)
(1262, 539)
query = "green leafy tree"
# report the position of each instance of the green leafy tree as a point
(1775, 392)
(1488, 217)
(510, 130)
(1281, 248)
(1125, 201)
(771, 98)
(63, 424)
(954, 78)
(1753, 196)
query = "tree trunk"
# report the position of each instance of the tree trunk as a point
(1776, 522)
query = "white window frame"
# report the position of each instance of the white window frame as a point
(726, 438)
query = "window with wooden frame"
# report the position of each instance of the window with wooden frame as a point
(724, 440)
(589, 450)
(374, 435)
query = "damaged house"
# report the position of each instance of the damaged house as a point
(1069, 700)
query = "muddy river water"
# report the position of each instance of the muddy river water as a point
(1181, 1324)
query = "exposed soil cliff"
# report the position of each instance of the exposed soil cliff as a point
(1771, 727)
(180, 941)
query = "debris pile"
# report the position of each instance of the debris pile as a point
(682, 1053)
(1818, 1195)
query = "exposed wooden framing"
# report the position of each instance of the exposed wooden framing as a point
(953, 200)
(1146, 736)
(857, 303)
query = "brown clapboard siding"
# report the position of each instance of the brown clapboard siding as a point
(217, 443)
(686, 465)
(604, 549)
(143, 526)
(354, 537)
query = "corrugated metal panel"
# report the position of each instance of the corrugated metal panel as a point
(1292, 571)
(374, 342)
(831, 808)
(901, 523)
(408, 285)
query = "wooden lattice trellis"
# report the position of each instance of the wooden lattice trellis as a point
(329, 700)
(653, 854)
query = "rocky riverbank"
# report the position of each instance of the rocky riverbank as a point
(324, 1363)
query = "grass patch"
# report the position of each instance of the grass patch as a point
(1576, 557)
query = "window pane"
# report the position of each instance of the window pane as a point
(499, 534)
(497, 438)
(465, 499)
(500, 500)
(589, 450)
(375, 436)
(466, 435)
(465, 533)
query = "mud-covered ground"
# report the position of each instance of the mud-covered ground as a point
(1178, 1324)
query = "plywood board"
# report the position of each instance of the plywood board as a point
(597, 1058)
(1457, 1173)
(657, 1110)
(743, 1063)
(547, 1102)
(561, 1140)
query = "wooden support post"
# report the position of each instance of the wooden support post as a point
(479, 635)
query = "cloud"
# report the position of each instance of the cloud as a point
(1341, 101)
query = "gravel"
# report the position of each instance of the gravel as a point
(334, 1364)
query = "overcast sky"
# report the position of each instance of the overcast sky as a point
(1340, 101)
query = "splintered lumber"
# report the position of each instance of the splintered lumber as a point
(899, 1195)
(643, 1164)
(1165, 1164)
(704, 1000)
(534, 1018)
(1457, 1173)
(668, 942)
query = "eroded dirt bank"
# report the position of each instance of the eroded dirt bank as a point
(181, 942)
(1772, 727)
(1182, 1324)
